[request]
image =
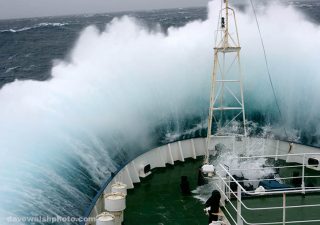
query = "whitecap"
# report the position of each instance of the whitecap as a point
(11, 69)
(51, 24)
(35, 27)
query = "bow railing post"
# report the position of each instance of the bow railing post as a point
(284, 209)
(239, 219)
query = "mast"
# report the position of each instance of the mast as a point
(226, 98)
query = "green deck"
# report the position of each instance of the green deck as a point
(157, 201)
(275, 215)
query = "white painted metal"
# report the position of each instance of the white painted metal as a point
(127, 177)
(239, 220)
(159, 156)
(180, 151)
(227, 45)
(119, 188)
(199, 145)
(115, 202)
(105, 218)
(142, 174)
(240, 190)
(118, 217)
(133, 172)
(284, 208)
(170, 156)
(303, 174)
(208, 169)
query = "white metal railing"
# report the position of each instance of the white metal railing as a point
(224, 186)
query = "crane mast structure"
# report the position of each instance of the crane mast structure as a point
(226, 98)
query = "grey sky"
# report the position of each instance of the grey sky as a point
(34, 8)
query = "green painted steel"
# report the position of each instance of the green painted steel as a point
(157, 200)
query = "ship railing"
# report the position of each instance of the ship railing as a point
(228, 195)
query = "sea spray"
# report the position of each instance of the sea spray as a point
(62, 138)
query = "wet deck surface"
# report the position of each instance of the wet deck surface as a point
(157, 200)
(275, 215)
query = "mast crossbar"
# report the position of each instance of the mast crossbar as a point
(226, 99)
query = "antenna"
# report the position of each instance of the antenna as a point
(226, 98)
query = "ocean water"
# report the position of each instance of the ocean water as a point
(82, 95)
(29, 46)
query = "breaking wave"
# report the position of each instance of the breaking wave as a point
(123, 89)
(40, 25)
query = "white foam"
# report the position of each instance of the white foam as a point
(35, 27)
(120, 84)
(11, 69)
